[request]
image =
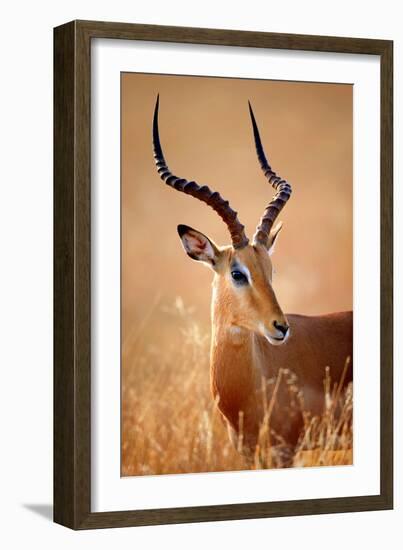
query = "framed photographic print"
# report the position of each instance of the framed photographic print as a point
(222, 275)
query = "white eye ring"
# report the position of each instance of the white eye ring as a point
(243, 271)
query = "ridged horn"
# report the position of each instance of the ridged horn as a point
(282, 188)
(203, 193)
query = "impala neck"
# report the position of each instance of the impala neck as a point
(235, 365)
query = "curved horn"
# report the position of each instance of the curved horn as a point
(203, 193)
(282, 188)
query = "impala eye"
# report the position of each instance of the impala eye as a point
(239, 277)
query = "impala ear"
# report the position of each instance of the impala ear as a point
(198, 246)
(273, 237)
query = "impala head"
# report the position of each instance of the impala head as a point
(243, 272)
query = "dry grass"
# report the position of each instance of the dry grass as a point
(170, 423)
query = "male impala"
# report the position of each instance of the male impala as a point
(252, 339)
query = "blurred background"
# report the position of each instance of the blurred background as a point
(206, 135)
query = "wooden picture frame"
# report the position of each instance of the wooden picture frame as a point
(72, 271)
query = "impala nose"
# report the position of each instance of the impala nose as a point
(281, 328)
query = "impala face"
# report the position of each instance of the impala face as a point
(242, 285)
(243, 289)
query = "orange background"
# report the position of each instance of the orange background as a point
(306, 130)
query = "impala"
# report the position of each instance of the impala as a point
(252, 339)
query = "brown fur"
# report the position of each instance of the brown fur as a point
(242, 356)
(239, 362)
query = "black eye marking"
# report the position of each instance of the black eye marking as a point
(239, 277)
